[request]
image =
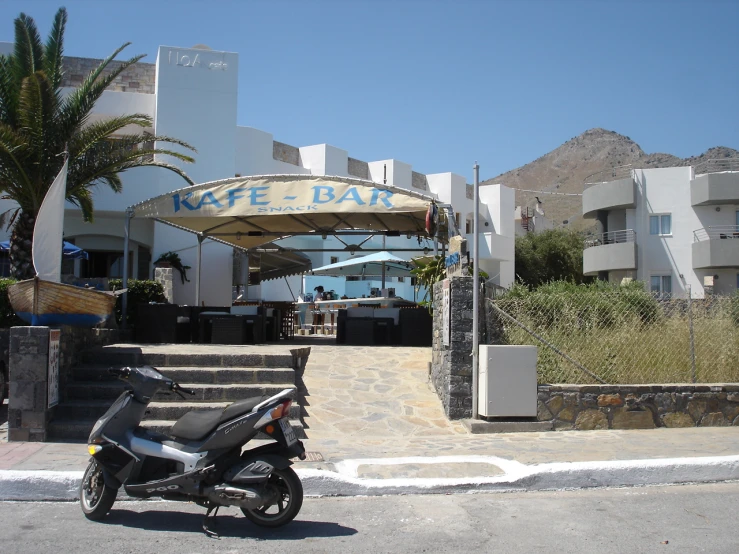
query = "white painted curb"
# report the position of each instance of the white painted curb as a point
(63, 485)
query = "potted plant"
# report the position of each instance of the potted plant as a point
(172, 259)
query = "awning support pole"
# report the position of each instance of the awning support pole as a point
(475, 291)
(383, 265)
(126, 246)
(201, 238)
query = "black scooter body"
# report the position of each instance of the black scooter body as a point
(210, 470)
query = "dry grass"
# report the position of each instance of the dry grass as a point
(626, 349)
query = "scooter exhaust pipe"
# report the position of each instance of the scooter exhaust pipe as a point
(229, 495)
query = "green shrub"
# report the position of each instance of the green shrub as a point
(139, 292)
(7, 315)
(735, 308)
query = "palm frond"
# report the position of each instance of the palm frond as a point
(83, 200)
(54, 51)
(76, 107)
(93, 133)
(102, 169)
(29, 53)
(8, 92)
(37, 112)
(7, 218)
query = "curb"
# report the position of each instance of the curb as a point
(63, 485)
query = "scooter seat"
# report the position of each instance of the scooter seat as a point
(198, 424)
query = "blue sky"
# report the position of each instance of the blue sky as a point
(440, 84)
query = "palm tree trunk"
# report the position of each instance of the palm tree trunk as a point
(21, 243)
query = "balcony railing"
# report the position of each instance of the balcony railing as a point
(610, 174)
(612, 237)
(715, 232)
(717, 166)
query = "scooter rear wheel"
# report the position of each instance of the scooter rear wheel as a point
(96, 498)
(288, 499)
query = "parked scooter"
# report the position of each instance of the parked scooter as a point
(202, 460)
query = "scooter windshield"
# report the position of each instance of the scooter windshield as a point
(117, 406)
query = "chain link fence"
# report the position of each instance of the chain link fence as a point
(618, 335)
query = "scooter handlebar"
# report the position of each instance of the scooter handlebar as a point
(120, 372)
(177, 388)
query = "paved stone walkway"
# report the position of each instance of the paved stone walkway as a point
(378, 393)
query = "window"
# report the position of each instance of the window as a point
(334, 259)
(660, 224)
(468, 227)
(660, 285)
(401, 279)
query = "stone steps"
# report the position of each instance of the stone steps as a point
(92, 410)
(218, 375)
(95, 390)
(164, 426)
(118, 356)
(79, 430)
(198, 375)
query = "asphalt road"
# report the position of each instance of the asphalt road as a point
(691, 518)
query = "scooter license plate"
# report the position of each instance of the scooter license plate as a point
(287, 430)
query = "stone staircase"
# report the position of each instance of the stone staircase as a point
(217, 379)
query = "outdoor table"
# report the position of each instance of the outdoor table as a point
(205, 321)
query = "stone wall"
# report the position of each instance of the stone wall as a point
(28, 412)
(419, 181)
(140, 77)
(451, 366)
(358, 168)
(589, 407)
(165, 276)
(285, 153)
(76, 339)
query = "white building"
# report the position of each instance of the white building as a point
(673, 228)
(191, 94)
(531, 220)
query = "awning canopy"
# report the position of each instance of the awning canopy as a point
(69, 250)
(370, 265)
(274, 261)
(250, 211)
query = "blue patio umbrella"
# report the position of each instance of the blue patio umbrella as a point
(69, 250)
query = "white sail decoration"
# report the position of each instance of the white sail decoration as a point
(48, 231)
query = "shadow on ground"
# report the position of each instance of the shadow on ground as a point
(226, 525)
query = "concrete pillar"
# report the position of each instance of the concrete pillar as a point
(601, 227)
(28, 412)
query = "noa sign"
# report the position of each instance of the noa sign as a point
(196, 59)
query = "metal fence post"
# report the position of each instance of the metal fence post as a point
(693, 373)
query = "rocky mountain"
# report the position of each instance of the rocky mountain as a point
(564, 170)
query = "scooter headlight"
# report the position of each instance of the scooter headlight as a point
(94, 449)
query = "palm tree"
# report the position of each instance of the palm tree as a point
(38, 125)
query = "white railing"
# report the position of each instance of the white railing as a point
(611, 237)
(716, 232)
(610, 174)
(717, 166)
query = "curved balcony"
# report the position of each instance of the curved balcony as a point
(716, 247)
(613, 251)
(610, 189)
(716, 182)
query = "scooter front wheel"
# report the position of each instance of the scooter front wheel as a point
(287, 499)
(96, 498)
